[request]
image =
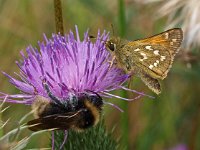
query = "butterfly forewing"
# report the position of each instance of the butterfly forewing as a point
(155, 55)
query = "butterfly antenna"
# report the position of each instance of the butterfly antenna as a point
(93, 37)
(112, 27)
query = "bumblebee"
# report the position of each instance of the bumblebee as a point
(77, 112)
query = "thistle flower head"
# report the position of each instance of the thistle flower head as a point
(69, 65)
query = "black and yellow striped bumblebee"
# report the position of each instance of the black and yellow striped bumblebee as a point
(76, 112)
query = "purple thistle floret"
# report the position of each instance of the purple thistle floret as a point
(70, 66)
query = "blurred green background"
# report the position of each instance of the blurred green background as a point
(171, 119)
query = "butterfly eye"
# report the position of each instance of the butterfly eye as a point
(112, 46)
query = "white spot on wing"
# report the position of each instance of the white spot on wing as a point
(151, 67)
(148, 47)
(156, 52)
(155, 64)
(157, 61)
(136, 50)
(144, 56)
(162, 58)
(174, 40)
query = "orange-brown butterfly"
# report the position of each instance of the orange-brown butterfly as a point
(150, 58)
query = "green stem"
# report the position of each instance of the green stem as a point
(122, 18)
(58, 17)
(124, 124)
(124, 116)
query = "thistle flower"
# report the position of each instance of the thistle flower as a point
(185, 13)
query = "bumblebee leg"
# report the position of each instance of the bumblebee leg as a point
(50, 94)
(95, 93)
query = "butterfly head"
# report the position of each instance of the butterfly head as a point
(113, 43)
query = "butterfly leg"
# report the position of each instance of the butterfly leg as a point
(111, 62)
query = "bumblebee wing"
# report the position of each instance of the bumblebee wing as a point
(56, 121)
(155, 54)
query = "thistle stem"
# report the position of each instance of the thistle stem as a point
(58, 17)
